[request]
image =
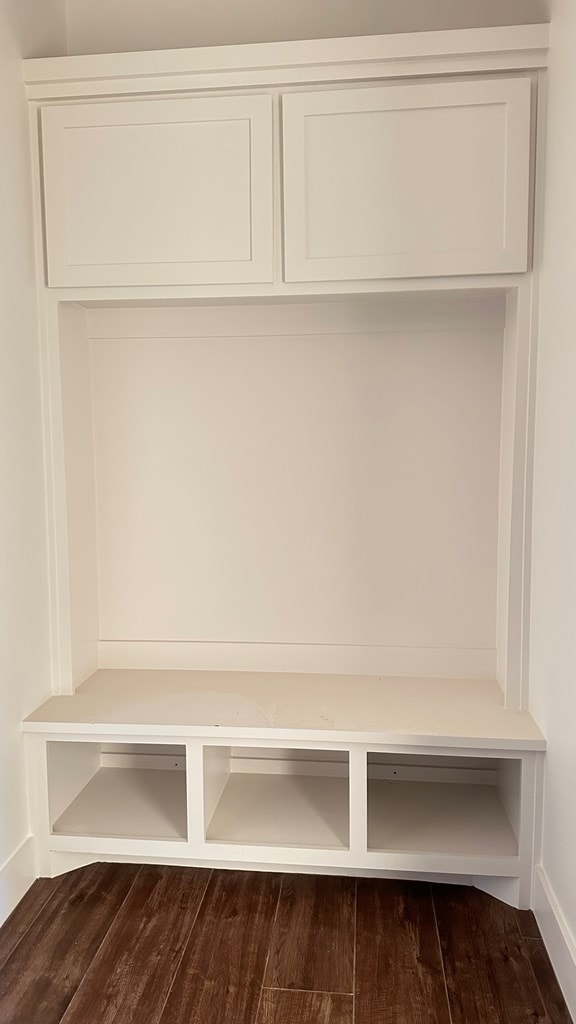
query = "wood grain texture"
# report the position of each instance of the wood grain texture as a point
(313, 939)
(547, 982)
(398, 965)
(488, 972)
(24, 915)
(40, 978)
(122, 944)
(131, 974)
(527, 924)
(282, 1007)
(220, 976)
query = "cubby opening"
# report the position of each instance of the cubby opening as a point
(117, 791)
(444, 805)
(273, 797)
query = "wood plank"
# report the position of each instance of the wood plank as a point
(221, 972)
(313, 939)
(42, 975)
(282, 1007)
(130, 976)
(24, 915)
(547, 982)
(398, 964)
(488, 972)
(527, 924)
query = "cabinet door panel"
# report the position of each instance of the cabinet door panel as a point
(159, 192)
(407, 181)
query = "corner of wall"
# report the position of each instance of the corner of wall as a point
(16, 876)
(558, 938)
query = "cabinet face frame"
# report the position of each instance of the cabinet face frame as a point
(255, 112)
(300, 109)
(508, 877)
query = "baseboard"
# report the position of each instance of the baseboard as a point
(16, 877)
(558, 938)
(440, 662)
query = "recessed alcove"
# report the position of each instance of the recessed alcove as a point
(316, 485)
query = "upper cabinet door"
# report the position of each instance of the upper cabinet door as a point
(407, 180)
(166, 191)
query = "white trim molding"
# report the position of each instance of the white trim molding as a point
(439, 662)
(16, 876)
(557, 935)
(413, 54)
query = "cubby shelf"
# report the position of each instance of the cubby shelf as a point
(282, 810)
(440, 818)
(128, 803)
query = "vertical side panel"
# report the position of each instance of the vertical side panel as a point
(80, 490)
(70, 768)
(358, 802)
(216, 772)
(515, 496)
(56, 504)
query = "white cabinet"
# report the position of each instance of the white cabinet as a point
(379, 182)
(160, 191)
(407, 180)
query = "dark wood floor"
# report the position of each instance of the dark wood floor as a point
(121, 944)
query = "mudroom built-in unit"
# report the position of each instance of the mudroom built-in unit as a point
(288, 300)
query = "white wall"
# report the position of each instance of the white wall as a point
(115, 25)
(553, 655)
(24, 656)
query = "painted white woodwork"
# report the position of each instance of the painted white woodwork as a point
(407, 767)
(515, 514)
(277, 290)
(407, 180)
(80, 483)
(327, 488)
(404, 313)
(129, 803)
(344, 486)
(134, 758)
(429, 712)
(438, 817)
(328, 807)
(70, 768)
(481, 305)
(556, 930)
(215, 773)
(296, 63)
(92, 793)
(287, 810)
(350, 659)
(159, 191)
